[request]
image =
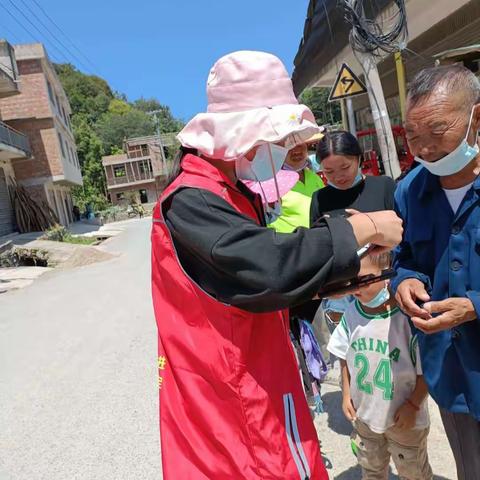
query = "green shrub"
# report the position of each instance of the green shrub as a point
(59, 233)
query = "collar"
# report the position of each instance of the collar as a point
(431, 183)
(203, 168)
(196, 165)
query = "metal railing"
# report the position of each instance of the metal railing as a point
(11, 137)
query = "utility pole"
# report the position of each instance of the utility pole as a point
(155, 113)
(352, 124)
(386, 142)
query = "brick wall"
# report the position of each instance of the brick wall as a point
(149, 187)
(46, 158)
(33, 101)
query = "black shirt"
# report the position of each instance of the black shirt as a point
(250, 266)
(370, 195)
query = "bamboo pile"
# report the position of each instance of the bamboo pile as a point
(30, 215)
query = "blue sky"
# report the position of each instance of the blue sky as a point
(161, 48)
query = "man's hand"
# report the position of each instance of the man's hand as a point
(348, 408)
(405, 416)
(408, 293)
(453, 312)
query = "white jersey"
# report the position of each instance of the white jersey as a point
(383, 360)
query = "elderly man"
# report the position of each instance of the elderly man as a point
(438, 263)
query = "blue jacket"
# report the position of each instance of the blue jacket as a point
(442, 249)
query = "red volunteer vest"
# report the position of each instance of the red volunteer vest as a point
(231, 402)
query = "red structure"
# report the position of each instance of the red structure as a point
(372, 163)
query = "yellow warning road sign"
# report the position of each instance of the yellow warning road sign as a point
(347, 84)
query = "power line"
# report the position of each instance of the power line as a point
(64, 34)
(18, 21)
(371, 36)
(53, 35)
(33, 25)
(10, 33)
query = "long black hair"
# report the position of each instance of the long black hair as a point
(176, 167)
(338, 143)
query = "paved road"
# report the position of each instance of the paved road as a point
(334, 431)
(78, 392)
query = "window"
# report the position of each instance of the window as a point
(145, 167)
(137, 151)
(50, 93)
(120, 196)
(60, 139)
(119, 171)
(57, 103)
(74, 156)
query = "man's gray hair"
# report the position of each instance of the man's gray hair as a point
(455, 78)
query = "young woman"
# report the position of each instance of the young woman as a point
(231, 400)
(340, 157)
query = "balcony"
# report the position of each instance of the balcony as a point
(13, 144)
(129, 180)
(8, 70)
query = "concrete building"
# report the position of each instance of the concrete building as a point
(140, 173)
(434, 28)
(14, 146)
(41, 111)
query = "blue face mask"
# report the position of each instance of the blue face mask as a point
(273, 213)
(379, 299)
(313, 163)
(455, 161)
(265, 165)
(356, 181)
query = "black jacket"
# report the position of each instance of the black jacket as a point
(250, 266)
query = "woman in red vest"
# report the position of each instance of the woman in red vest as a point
(231, 401)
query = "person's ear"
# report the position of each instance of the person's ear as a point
(250, 155)
(476, 118)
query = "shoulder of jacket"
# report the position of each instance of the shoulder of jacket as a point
(418, 174)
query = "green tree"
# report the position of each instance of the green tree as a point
(168, 123)
(90, 152)
(113, 128)
(101, 120)
(88, 95)
(119, 107)
(324, 111)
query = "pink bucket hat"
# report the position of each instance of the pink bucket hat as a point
(286, 180)
(250, 102)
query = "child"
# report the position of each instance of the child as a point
(384, 394)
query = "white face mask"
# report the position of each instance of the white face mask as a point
(455, 161)
(298, 169)
(267, 162)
